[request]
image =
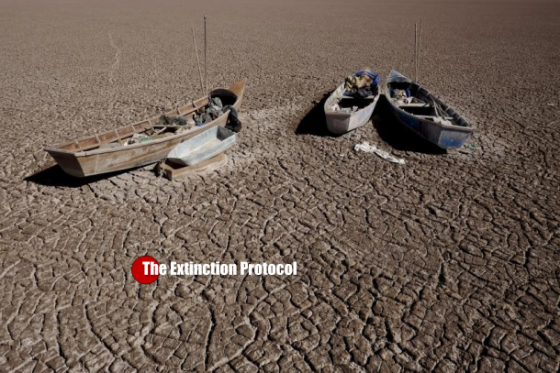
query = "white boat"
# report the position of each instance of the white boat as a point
(346, 113)
(201, 147)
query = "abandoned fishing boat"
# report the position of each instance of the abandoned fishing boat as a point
(145, 142)
(425, 114)
(351, 105)
(203, 146)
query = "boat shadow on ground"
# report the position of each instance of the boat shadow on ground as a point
(54, 176)
(314, 121)
(396, 134)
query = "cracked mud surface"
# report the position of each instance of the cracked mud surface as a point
(448, 263)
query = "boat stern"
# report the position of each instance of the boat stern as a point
(68, 162)
(338, 123)
(453, 138)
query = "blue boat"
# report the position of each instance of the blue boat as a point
(425, 114)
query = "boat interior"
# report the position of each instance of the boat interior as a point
(152, 128)
(350, 102)
(418, 102)
(339, 103)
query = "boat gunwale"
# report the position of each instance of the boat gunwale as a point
(149, 124)
(136, 146)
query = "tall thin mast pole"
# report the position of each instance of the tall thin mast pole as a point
(416, 51)
(419, 43)
(198, 63)
(205, 60)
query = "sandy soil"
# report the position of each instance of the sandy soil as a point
(447, 263)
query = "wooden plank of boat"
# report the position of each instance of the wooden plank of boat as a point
(430, 118)
(91, 156)
(174, 171)
(433, 117)
(354, 98)
(340, 122)
(203, 146)
(414, 104)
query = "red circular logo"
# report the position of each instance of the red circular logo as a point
(145, 270)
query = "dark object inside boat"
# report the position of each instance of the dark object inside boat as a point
(364, 92)
(233, 123)
(227, 97)
(357, 103)
(221, 100)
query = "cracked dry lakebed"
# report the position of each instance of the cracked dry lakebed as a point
(448, 263)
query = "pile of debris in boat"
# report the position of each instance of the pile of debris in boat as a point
(204, 115)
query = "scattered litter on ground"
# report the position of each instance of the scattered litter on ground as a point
(368, 148)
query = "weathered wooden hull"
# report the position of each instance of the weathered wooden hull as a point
(91, 163)
(443, 135)
(341, 123)
(76, 160)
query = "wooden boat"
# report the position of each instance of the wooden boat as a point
(203, 146)
(426, 115)
(341, 117)
(105, 152)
